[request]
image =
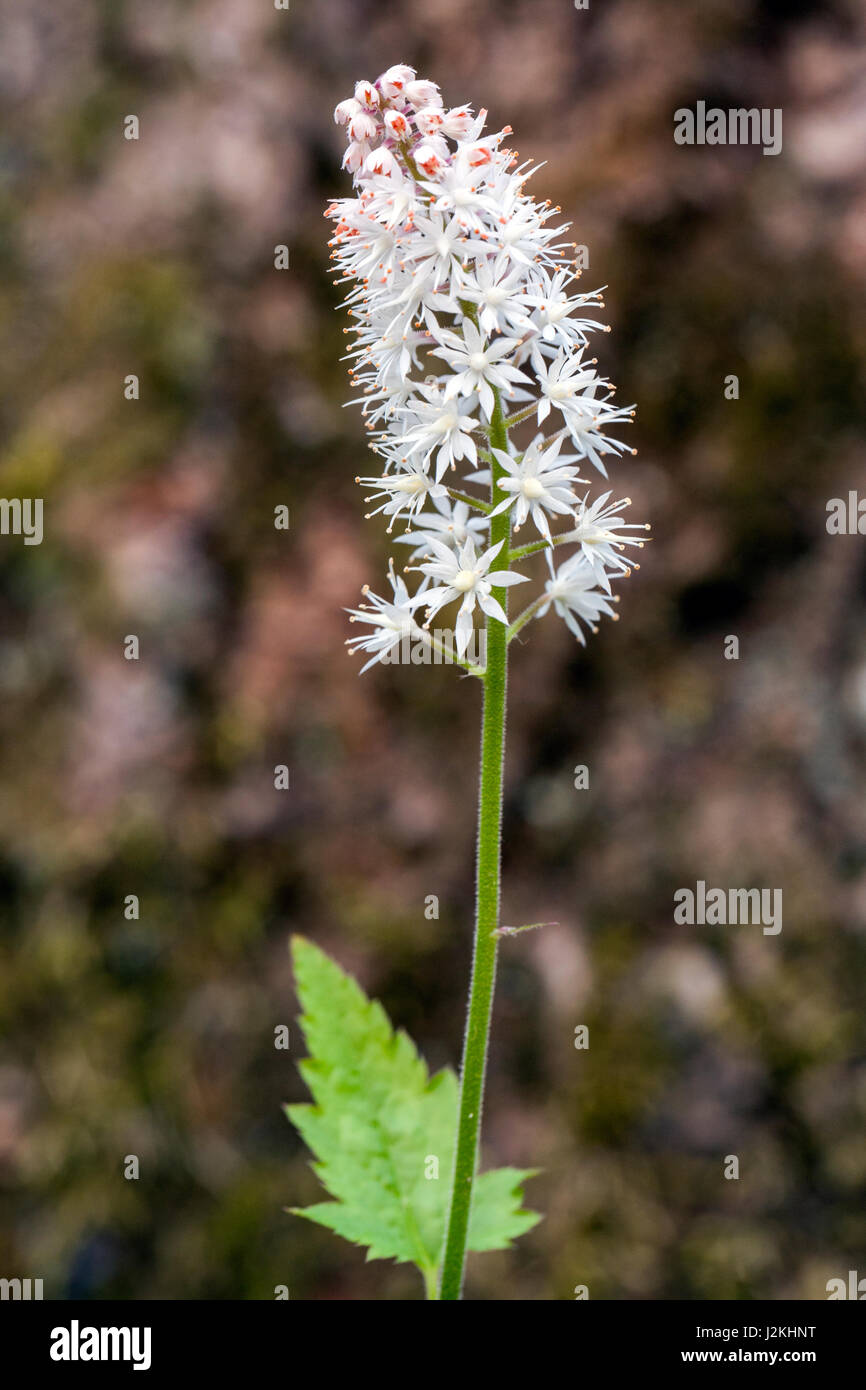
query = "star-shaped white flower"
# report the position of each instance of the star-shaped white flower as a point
(451, 523)
(569, 385)
(571, 590)
(498, 291)
(404, 492)
(537, 483)
(443, 426)
(600, 533)
(554, 311)
(436, 250)
(468, 577)
(477, 364)
(390, 619)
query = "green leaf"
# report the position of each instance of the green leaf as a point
(377, 1122)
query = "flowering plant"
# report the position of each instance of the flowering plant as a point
(468, 326)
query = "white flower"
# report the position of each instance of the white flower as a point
(499, 294)
(451, 523)
(441, 425)
(599, 532)
(571, 590)
(390, 619)
(571, 387)
(537, 483)
(477, 365)
(466, 322)
(436, 251)
(467, 577)
(567, 384)
(404, 493)
(554, 311)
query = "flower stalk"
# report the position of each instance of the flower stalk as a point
(487, 897)
(468, 327)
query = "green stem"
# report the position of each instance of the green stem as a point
(486, 911)
(533, 547)
(436, 646)
(521, 552)
(475, 502)
(523, 618)
(520, 416)
(403, 147)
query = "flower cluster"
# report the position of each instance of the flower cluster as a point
(469, 331)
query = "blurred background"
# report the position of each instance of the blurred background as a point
(155, 1036)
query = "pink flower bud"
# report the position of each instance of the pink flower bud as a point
(429, 121)
(457, 122)
(422, 94)
(346, 110)
(354, 157)
(366, 95)
(382, 161)
(393, 82)
(428, 159)
(362, 126)
(398, 124)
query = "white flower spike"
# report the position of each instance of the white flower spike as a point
(468, 323)
(468, 327)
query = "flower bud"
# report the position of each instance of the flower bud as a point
(428, 159)
(429, 120)
(393, 82)
(354, 157)
(346, 110)
(397, 124)
(362, 126)
(367, 95)
(457, 122)
(478, 155)
(422, 94)
(382, 161)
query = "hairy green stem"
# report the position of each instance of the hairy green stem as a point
(475, 502)
(435, 645)
(519, 417)
(532, 548)
(523, 618)
(486, 908)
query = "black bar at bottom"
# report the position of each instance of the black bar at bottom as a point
(83, 1339)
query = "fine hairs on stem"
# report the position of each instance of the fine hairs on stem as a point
(469, 360)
